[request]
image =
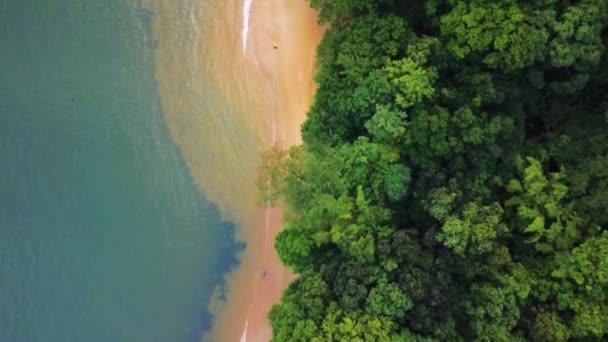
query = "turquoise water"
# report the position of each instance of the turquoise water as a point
(103, 235)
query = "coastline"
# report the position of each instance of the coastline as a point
(223, 108)
(281, 49)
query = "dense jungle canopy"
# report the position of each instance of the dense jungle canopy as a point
(453, 181)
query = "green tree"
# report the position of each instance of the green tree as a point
(475, 232)
(335, 10)
(499, 33)
(548, 223)
(549, 327)
(271, 174)
(387, 299)
(584, 286)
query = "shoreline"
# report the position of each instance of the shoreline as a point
(224, 108)
(281, 49)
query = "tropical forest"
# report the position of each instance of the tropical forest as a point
(453, 180)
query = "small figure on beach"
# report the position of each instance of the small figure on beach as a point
(275, 47)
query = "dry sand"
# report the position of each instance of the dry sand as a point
(282, 42)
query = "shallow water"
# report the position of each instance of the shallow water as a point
(212, 99)
(104, 235)
(216, 100)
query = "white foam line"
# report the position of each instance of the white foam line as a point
(245, 31)
(244, 335)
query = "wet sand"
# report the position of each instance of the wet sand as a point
(224, 107)
(282, 41)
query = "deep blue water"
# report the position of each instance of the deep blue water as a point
(103, 235)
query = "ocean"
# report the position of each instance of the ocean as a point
(105, 235)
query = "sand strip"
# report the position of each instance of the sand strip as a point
(282, 40)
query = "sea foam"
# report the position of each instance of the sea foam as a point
(245, 31)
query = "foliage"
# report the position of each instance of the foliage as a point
(453, 181)
(271, 174)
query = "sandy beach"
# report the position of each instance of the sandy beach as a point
(281, 47)
(225, 105)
